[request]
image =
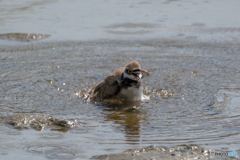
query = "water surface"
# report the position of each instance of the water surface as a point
(193, 85)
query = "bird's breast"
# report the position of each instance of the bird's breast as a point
(132, 93)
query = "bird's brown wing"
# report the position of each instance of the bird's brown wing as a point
(105, 89)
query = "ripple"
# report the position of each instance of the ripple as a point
(52, 151)
(227, 99)
(52, 136)
(131, 28)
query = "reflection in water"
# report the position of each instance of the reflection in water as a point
(129, 116)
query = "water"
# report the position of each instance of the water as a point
(193, 60)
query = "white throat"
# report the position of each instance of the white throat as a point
(125, 75)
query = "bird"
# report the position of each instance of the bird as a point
(124, 83)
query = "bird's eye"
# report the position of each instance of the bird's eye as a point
(129, 72)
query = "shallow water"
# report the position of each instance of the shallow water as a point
(182, 89)
(193, 84)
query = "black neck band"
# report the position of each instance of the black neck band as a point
(127, 80)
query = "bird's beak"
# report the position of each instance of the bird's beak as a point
(137, 76)
(144, 73)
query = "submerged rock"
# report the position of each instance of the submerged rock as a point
(23, 37)
(38, 122)
(188, 152)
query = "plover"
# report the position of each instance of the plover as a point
(124, 82)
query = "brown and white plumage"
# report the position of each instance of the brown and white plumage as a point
(124, 82)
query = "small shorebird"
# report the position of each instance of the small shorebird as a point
(124, 82)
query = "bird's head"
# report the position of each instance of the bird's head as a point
(134, 72)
